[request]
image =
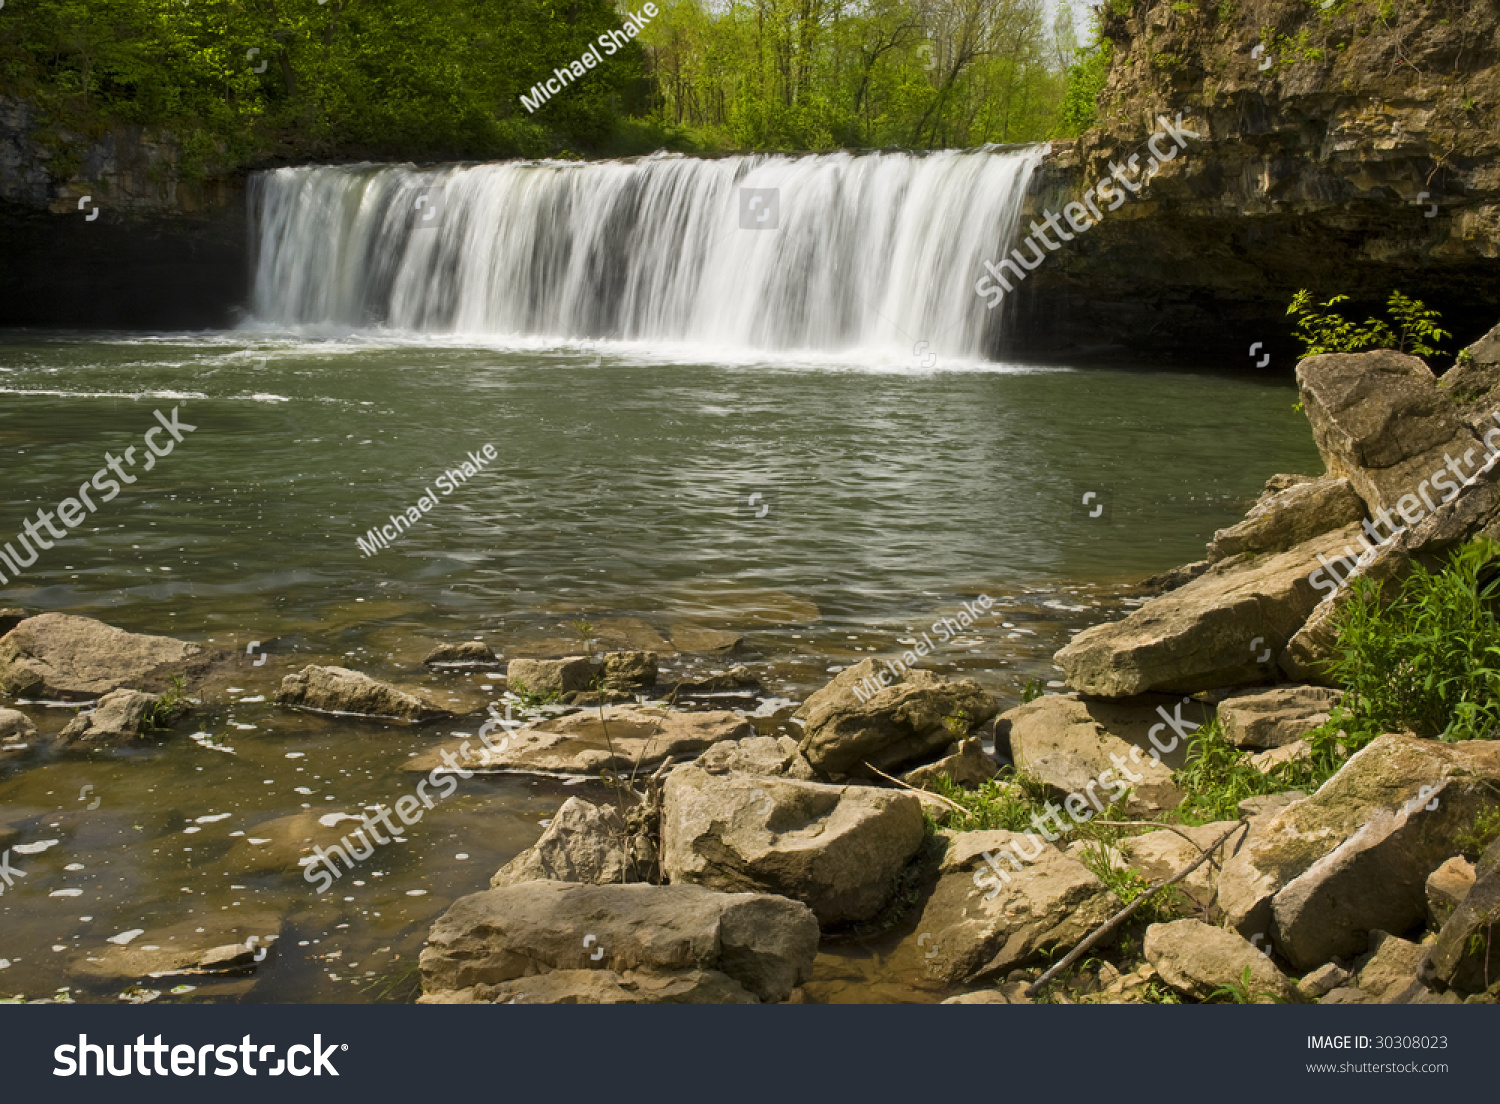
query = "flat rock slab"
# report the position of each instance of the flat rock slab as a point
(207, 945)
(1283, 519)
(1276, 717)
(765, 943)
(1100, 749)
(837, 849)
(1225, 628)
(625, 739)
(605, 987)
(60, 657)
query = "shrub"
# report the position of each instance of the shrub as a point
(1324, 331)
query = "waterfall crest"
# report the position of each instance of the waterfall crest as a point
(826, 252)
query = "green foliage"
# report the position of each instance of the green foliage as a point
(1033, 689)
(1426, 660)
(1102, 858)
(1006, 804)
(1218, 776)
(171, 704)
(1476, 839)
(1322, 330)
(1240, 992)
(530, 701)
(1085, 81)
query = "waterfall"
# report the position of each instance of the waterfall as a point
(830, 251)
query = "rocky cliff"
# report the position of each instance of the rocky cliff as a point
(1345, 147)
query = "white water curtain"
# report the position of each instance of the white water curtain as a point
(869, 250)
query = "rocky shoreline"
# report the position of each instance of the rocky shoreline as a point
(968, 846)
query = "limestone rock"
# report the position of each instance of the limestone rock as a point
(343, 692)
(1447, 886)
(1390, 968)
(1354, 857)
(469, 654)
(837, 849)
(630, 671)
(15, 725)
(965, 765)
(118, 717)
(1157, 856)
(989, 915)
(1267, 804)
(1197, 958)
(766, 944)
(1275, 717)
(543, 677)
(1092, 748)
(773, 755)
(860, 717)
(1324, 980)
(585, 843)
(1381, 421)
(624, 739)
(59, 657)
(1466, 956)
(1282, 520)
(1224, 628)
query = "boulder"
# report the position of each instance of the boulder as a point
(604, 987)
(470, 654)
(1385, 556)
(1094, 749)
(1465, 955)
(837, 849)
(965, 765)
(1222, 629)
(1198, 959)
(543, 677)
(765, 944)
(1283, 519)
(59, 657)
(1268, 760)
(630, 671)
(1446, 888)
(119, 717)
(585, 843)
(1275, 717)
(1380, 420)
(1390, 969)
(1002, 900)
(1355, 856)
(623, 739)
(343, 692)
(773, 755)
(1262, 805)
(1471, 384)
(867, 715)
(15, 725)
(1324, 980)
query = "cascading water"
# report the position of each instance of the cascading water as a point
(828, 252)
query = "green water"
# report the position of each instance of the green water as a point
(621, 493)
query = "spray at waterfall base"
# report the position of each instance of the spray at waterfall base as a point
(1086, 215)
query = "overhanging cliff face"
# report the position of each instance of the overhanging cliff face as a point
(103, 231)
(1357, 152)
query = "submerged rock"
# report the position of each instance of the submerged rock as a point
(867, 715)
(765, 944)
(837, 849)
(121, 716)
(59, 657)
(470, 654)
(621, 739)
(15, 725)
(340, 691)
(1224, 628)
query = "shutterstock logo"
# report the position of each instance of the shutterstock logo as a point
(145, 1059)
